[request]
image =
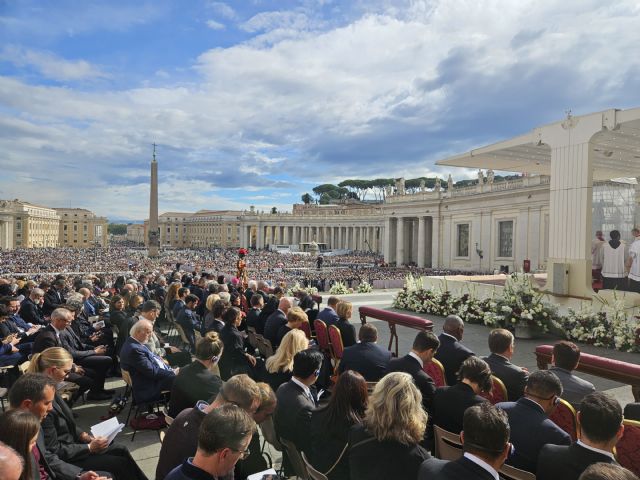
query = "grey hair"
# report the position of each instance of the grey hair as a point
(36, 291)
(139, 325)
(60, 313)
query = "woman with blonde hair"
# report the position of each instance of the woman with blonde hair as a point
(347, 330)
(279, 366)
(386, 445)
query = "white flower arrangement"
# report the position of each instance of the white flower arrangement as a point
(365, 287)
(338, 288)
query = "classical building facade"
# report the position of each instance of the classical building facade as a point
(81, 228)
(135, 233)
(26, 225)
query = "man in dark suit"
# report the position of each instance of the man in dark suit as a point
(296, 400)
(34, 392)
(31, 307)
(531, 428)
(366, 357)
(600, 424)
(501, 345)
(54, 298)
(565, 359)
(328, 314)
(149, 374)
(450, 403)
(452, 352)
(485, 441)
(189, 320)
(253, 316)
(424, 347)
(276, 320)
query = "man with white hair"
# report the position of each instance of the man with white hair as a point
(150, 375)
(11, 463)
(31, 307)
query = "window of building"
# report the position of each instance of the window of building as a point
(505, 238)
(462, 237)
(85, 227)
(75, 228)
(64, 227)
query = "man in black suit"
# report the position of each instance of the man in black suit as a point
(452, 352)
(276, 320)
(450, 403)
(54, 298)
(31, 307)
(253, 316)
(600, 423)
(485, 441)
(531, 428)
(501, 345)
(296, 399)
(328, 314)
(365, 357)
(565, 359)
(424, 347)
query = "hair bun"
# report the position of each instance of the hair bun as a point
(212, 335)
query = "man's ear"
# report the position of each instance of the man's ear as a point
(26, 404)
(462, 436)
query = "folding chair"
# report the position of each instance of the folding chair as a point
(512, 473)
(298, 465)
(448, 445)
(564, 416)
(435, 370)
(161, 400)
(498, 391)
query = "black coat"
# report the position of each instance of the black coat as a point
(513, 377)
(366, 358)
(61, 434)
(531, 429)
(52, 300)
(194, 382)
(46, 338)
(30, 312)
(273, 324)
(292, 417)
(370, 459)
(327, 443)
(450, 403)
(462, 468)
(347, 332)
(451, 354)
(233, 360)
(424, 382)
(254, 320)
(566, 462)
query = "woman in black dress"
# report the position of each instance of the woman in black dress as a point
(235, 360)
(347, 330)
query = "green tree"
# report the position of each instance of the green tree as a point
(306, 199)
(117, 229)
(274, 210)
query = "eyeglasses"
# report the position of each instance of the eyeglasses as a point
(243, 453)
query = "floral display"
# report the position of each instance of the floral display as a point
(297, 288)
(339, 288)
(365, 287)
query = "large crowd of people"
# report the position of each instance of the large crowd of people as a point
(226, 359)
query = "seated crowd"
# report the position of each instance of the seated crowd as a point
(368, 416)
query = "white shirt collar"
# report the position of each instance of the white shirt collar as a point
(413, 354)
(306, 389)
(597, 450)
(478, 461)
(58, 332)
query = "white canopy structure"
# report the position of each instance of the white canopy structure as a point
(574, 152)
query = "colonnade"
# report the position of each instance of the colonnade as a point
(412, 240)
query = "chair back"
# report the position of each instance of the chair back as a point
(322, 336)
(251, 336)
(335, 337)
(299, 468)
(448, 445)
(183, 336)
(268, 430)
(627, 450)
(313, 473)
(24, 366)
(264, 346)
(126, 377)
(306, 328)
(512, 473)
(564, 416)
(498, 391)
(435, 370)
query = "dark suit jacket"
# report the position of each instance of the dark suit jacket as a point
(147, 376)
(194, 382)
(273, 324)
(531, 429)
(374, 460)
(72, 343)
(560, 462)
(232, 361)
(451, 354)
(513, 377)
(462, 468)
(55, 467)
(31, 312)
(574, 388)
(328, 315)
(254, 320)
(292, 417)
(189, 322)
(327, 442)
(424, 382)
(367, 358)
(52, 300)
(450, 403)
(45, 339)
(61, 434)
(347, 332)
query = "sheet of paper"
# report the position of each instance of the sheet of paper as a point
(109, 429)
(259, 475)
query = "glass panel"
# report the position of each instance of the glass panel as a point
(505, 239)
(463, 240)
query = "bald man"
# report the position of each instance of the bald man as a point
(452, 352)
(11, 463)
(276, 320)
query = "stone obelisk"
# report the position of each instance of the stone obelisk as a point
(154, 231)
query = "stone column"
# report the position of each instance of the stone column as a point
(339, 238)
(435, 242)
(259, 236)
(387, 240)
(421, 241)
(400, 242)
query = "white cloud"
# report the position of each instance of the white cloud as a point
(274, 20)
(223, 9)
(50, 65)
(213, 25)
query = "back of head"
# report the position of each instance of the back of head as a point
(424, 341)
(306, 363)
(50, 357)
(348, 400)
(452, 325)
(600, 417)
(500, 340)
(224, 427)
(296, 315)
(256, 300)
(242, 391)
(209, 347)
(282, 361)
(344, 309)
(333, 301)
(9, 460)
(395, 410)
(566, 355)
(486, 431)
(476, 370)
(230, 315)
(29, 387)
(368, 333)
(191, 298)
(614, 234)
(149, 306)
(543, 384)
(607, 471)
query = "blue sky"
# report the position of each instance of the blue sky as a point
(255, 102)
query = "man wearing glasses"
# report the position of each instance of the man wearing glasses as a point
(531, 428)
(223, 439)
(31, 307)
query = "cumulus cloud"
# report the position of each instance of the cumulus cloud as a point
(213, 25)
